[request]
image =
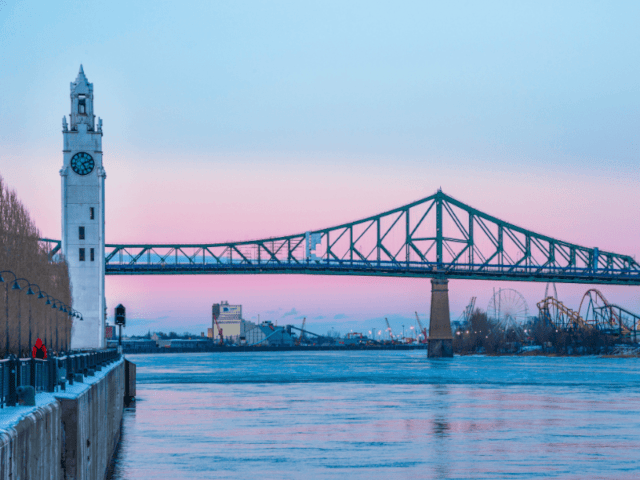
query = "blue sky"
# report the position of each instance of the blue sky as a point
(237, 120)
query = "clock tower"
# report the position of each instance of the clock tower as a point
(83, 178)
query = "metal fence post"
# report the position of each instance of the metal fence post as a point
(69, 369)
(33, 374)
(52, 373)
(11, 398)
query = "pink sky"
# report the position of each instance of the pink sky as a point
(249, 197)
(241, 123)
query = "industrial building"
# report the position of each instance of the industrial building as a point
(268, 335)
(130, 344)
(228, 319)
(196, 343)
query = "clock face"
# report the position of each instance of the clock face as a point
(82, 163)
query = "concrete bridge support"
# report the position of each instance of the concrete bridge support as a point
(440, 336)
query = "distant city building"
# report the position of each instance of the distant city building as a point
(230, 320)
(267, 334)
(130, 344)
(194, 343)
(355, 339)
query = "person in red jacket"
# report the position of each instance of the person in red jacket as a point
(39, 351)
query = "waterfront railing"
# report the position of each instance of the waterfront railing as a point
(50, 375)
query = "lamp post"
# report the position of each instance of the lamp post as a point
(76, 314)
(6, 305)
(54, 307)
(29, 292)
(48, 302)
(72, 313)
(64, 340)
(40, 296)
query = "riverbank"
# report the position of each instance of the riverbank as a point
(616, 352)
(70, 433)
(293, 348)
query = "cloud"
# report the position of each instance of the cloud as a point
(339, 316)
(293, 311)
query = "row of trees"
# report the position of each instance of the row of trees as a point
(22, 255)
(483, 334)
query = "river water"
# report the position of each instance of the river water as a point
(380, 415)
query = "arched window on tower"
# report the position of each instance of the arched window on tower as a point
(82, 107)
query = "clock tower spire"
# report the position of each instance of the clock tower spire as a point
(83, 179)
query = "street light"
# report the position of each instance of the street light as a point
(6, 305)
(74, 313)
(40, 295)
(64, 340)
(71, 312)
(29, 292)
(48, 302)
(53, 305)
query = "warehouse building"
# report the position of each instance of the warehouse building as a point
(267, 334)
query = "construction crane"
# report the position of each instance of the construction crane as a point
(422, 329)
(304, 320)
(393, 340)
(215, 320)
(468, 311)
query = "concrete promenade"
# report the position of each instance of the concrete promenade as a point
(69, 434)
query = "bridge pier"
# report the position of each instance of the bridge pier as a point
(440, 336)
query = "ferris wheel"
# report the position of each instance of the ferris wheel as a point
(508, 307)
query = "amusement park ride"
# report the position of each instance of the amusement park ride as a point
(598, 314)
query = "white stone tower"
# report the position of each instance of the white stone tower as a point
(83, 214)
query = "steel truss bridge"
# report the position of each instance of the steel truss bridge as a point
(433, 237)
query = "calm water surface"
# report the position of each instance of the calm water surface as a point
(381, 415)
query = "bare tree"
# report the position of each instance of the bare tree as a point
(29, 317)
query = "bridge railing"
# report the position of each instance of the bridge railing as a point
(389, 268)
(49, 375)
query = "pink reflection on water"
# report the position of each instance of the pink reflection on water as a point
(365, 430)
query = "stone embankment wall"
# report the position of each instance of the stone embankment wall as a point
(70, 434)
(32, 448)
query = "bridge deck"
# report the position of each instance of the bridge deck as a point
(435, 236)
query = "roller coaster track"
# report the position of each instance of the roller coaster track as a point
(565, 317)
(607, 316)
(435, 236)
(593, 295)
(601, 312)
